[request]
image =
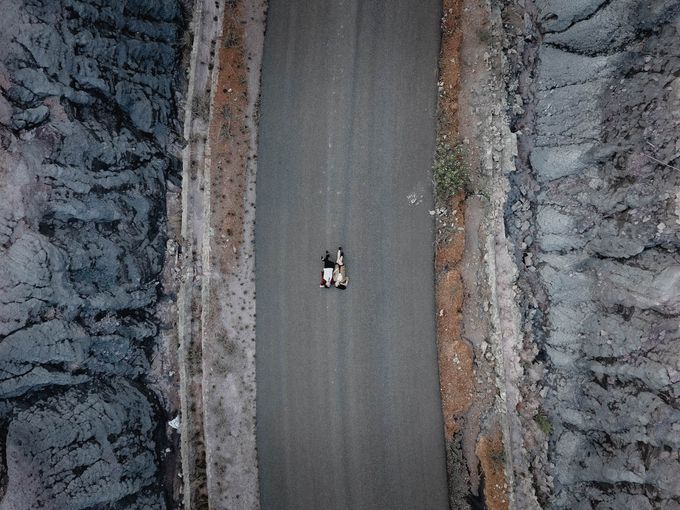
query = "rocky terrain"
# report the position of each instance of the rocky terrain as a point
(88, 126)
(594, 216)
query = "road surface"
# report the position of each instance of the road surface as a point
(348, 407)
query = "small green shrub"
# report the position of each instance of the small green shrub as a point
(543, 423)
(450, 171)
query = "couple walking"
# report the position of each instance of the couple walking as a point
(334, 273)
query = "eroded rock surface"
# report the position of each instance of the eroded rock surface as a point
(87, 123)
(594, 215)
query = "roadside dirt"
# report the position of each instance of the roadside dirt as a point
(216, 300)
(455, 356)
(467, 364)
(491, 453)
(229, 287)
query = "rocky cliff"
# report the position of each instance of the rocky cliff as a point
(87, 123)
(594, 212)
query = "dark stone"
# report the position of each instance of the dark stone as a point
(85, 157)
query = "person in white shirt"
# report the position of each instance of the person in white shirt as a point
(340, 278)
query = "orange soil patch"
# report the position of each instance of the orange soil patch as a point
(449, 62)
(462, 398)
(456, 373)
(228, 145)
(492, 458)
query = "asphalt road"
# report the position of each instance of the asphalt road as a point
(348, 408)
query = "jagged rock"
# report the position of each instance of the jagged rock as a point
(31, 117)
(91, 445)
(87, 129)
(601, 152)
(557, 15)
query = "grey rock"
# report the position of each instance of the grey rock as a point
(551, 163)
(87, 130)
(557, 15)
(641, 288)
(568, 116)
(616, 24)
(91, 445)
(558, 68)
(30, 118)
(602, 132)
(607, 29)
(618, 241)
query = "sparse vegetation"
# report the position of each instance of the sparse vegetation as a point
(200, 106)
(543, 423)
(187, 40)
(498, 457)
(196, 137)
(225, 132)
(226, 112)
(230, 40)
(194, 355)
(450, 170)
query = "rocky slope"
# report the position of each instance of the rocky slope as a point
(594, 212)
(87, 123)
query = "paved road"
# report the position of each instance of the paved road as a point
(348, 402)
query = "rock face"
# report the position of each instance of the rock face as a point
(595, 216)
(87, 120)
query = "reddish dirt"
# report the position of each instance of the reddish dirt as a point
(227, 144)
(466, 404)
(455, 356)
(456, 371)
(449, 65)
(492, 457)
(228, 287)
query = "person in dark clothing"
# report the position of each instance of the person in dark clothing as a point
(327, 271)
